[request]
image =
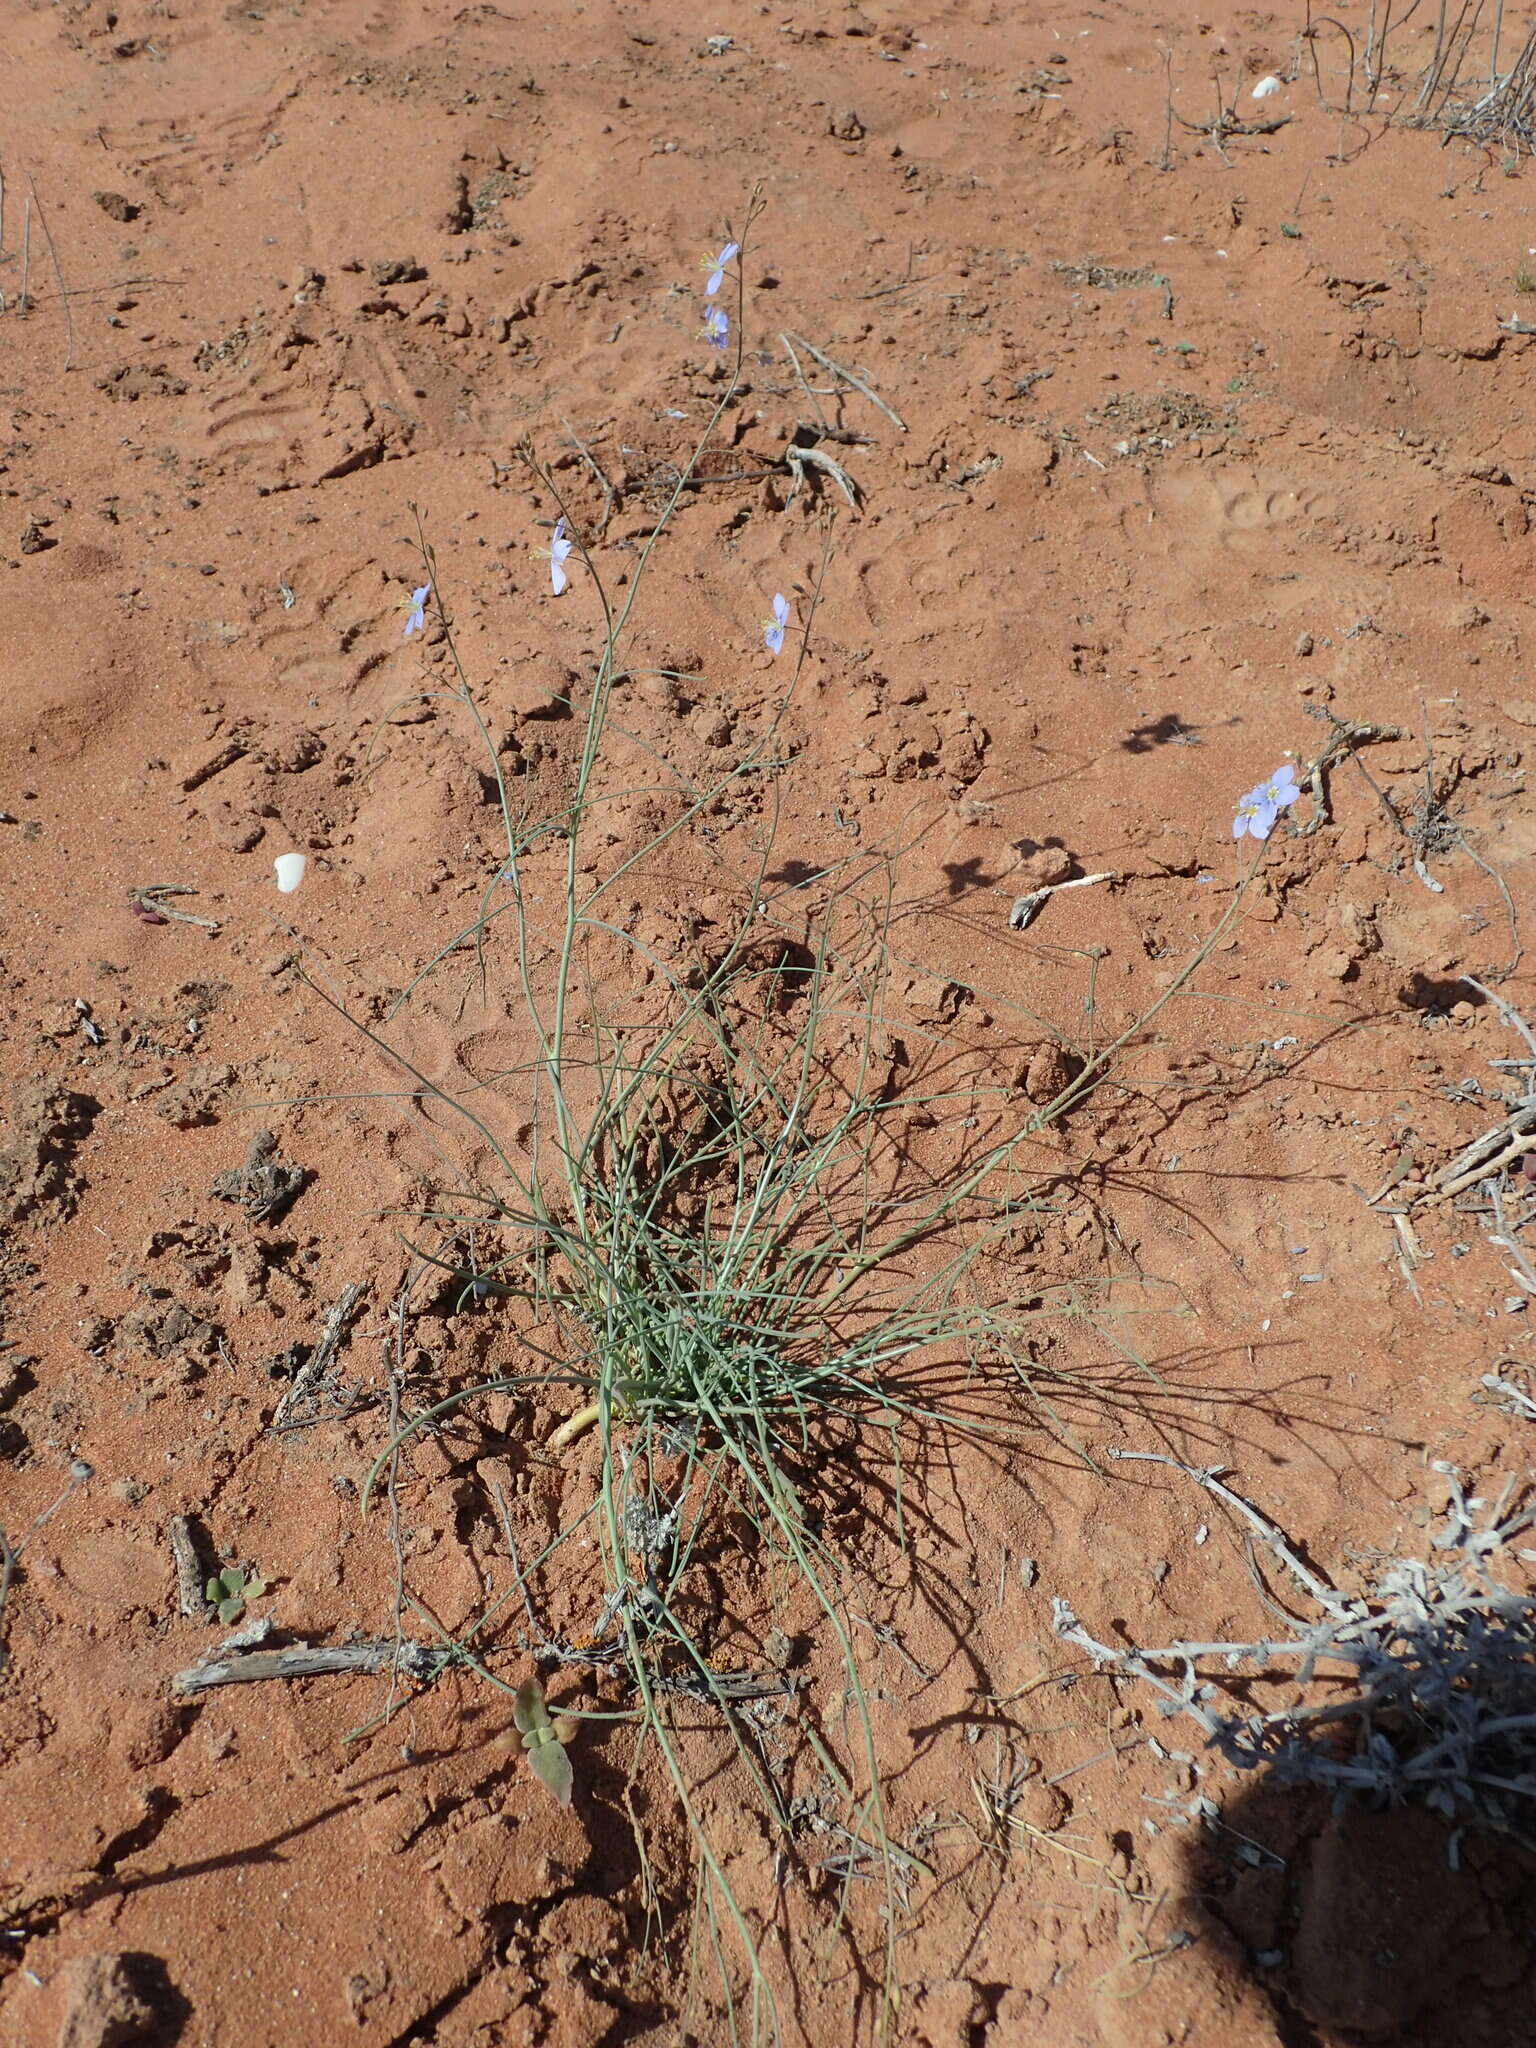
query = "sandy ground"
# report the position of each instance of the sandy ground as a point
(1171, 442)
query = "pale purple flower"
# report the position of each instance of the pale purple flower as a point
(773, 629)
(417, 604)
(1282, 788)
(1252, 816)
(559, 548)
(717, 327)
(1258, 808)
(715, 265)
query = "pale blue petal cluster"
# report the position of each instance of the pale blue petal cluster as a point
(1259, 807)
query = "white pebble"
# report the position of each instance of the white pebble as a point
(290, 871)
(1266, 86)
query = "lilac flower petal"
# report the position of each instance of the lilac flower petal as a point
(559, 548)
(1268, 799)
(1257, 810)
(417, 620)
(716, 267)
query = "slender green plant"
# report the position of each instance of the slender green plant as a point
(723, 1245)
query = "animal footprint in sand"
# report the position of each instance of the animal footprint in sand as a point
(180, 159)
(1243, 511)
(1260, 505)
(324, 643)
(311, 422)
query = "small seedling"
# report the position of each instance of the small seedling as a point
(230, 1589)
(1291, 232)
(543, 1740)
(1524, 280)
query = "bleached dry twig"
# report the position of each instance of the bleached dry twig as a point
(308, 1660)
(1027, 908)
(847, 376)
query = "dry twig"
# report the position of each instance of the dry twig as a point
(837, 370)
(191, 1578)
(149, 901)
(1348, 735)
(799, 459)
(69, 318)
(1027, 908)
(306, 1382)
(307, 1660)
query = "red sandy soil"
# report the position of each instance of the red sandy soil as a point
(330, 259)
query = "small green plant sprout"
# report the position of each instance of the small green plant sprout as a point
(544, 1740)
(230, 1589)
(1291, 232)
(1525, 279)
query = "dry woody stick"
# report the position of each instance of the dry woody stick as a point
(181, 1535)
(307, 1380)
(847, 376)
(1027, 908)
(307, 1660)
(58, 271)
(149, 903)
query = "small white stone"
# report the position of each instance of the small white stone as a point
(290, 871)
(1266, 86)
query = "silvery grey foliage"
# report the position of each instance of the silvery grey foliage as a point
(1427, 1673)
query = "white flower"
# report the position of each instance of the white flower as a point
(1266, 86)
(416, 605)
(557, 554)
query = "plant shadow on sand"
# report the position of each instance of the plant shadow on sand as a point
(1358, 1926)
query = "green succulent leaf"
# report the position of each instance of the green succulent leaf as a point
(546, 1753)
(552, 1767)
(528, 1708)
